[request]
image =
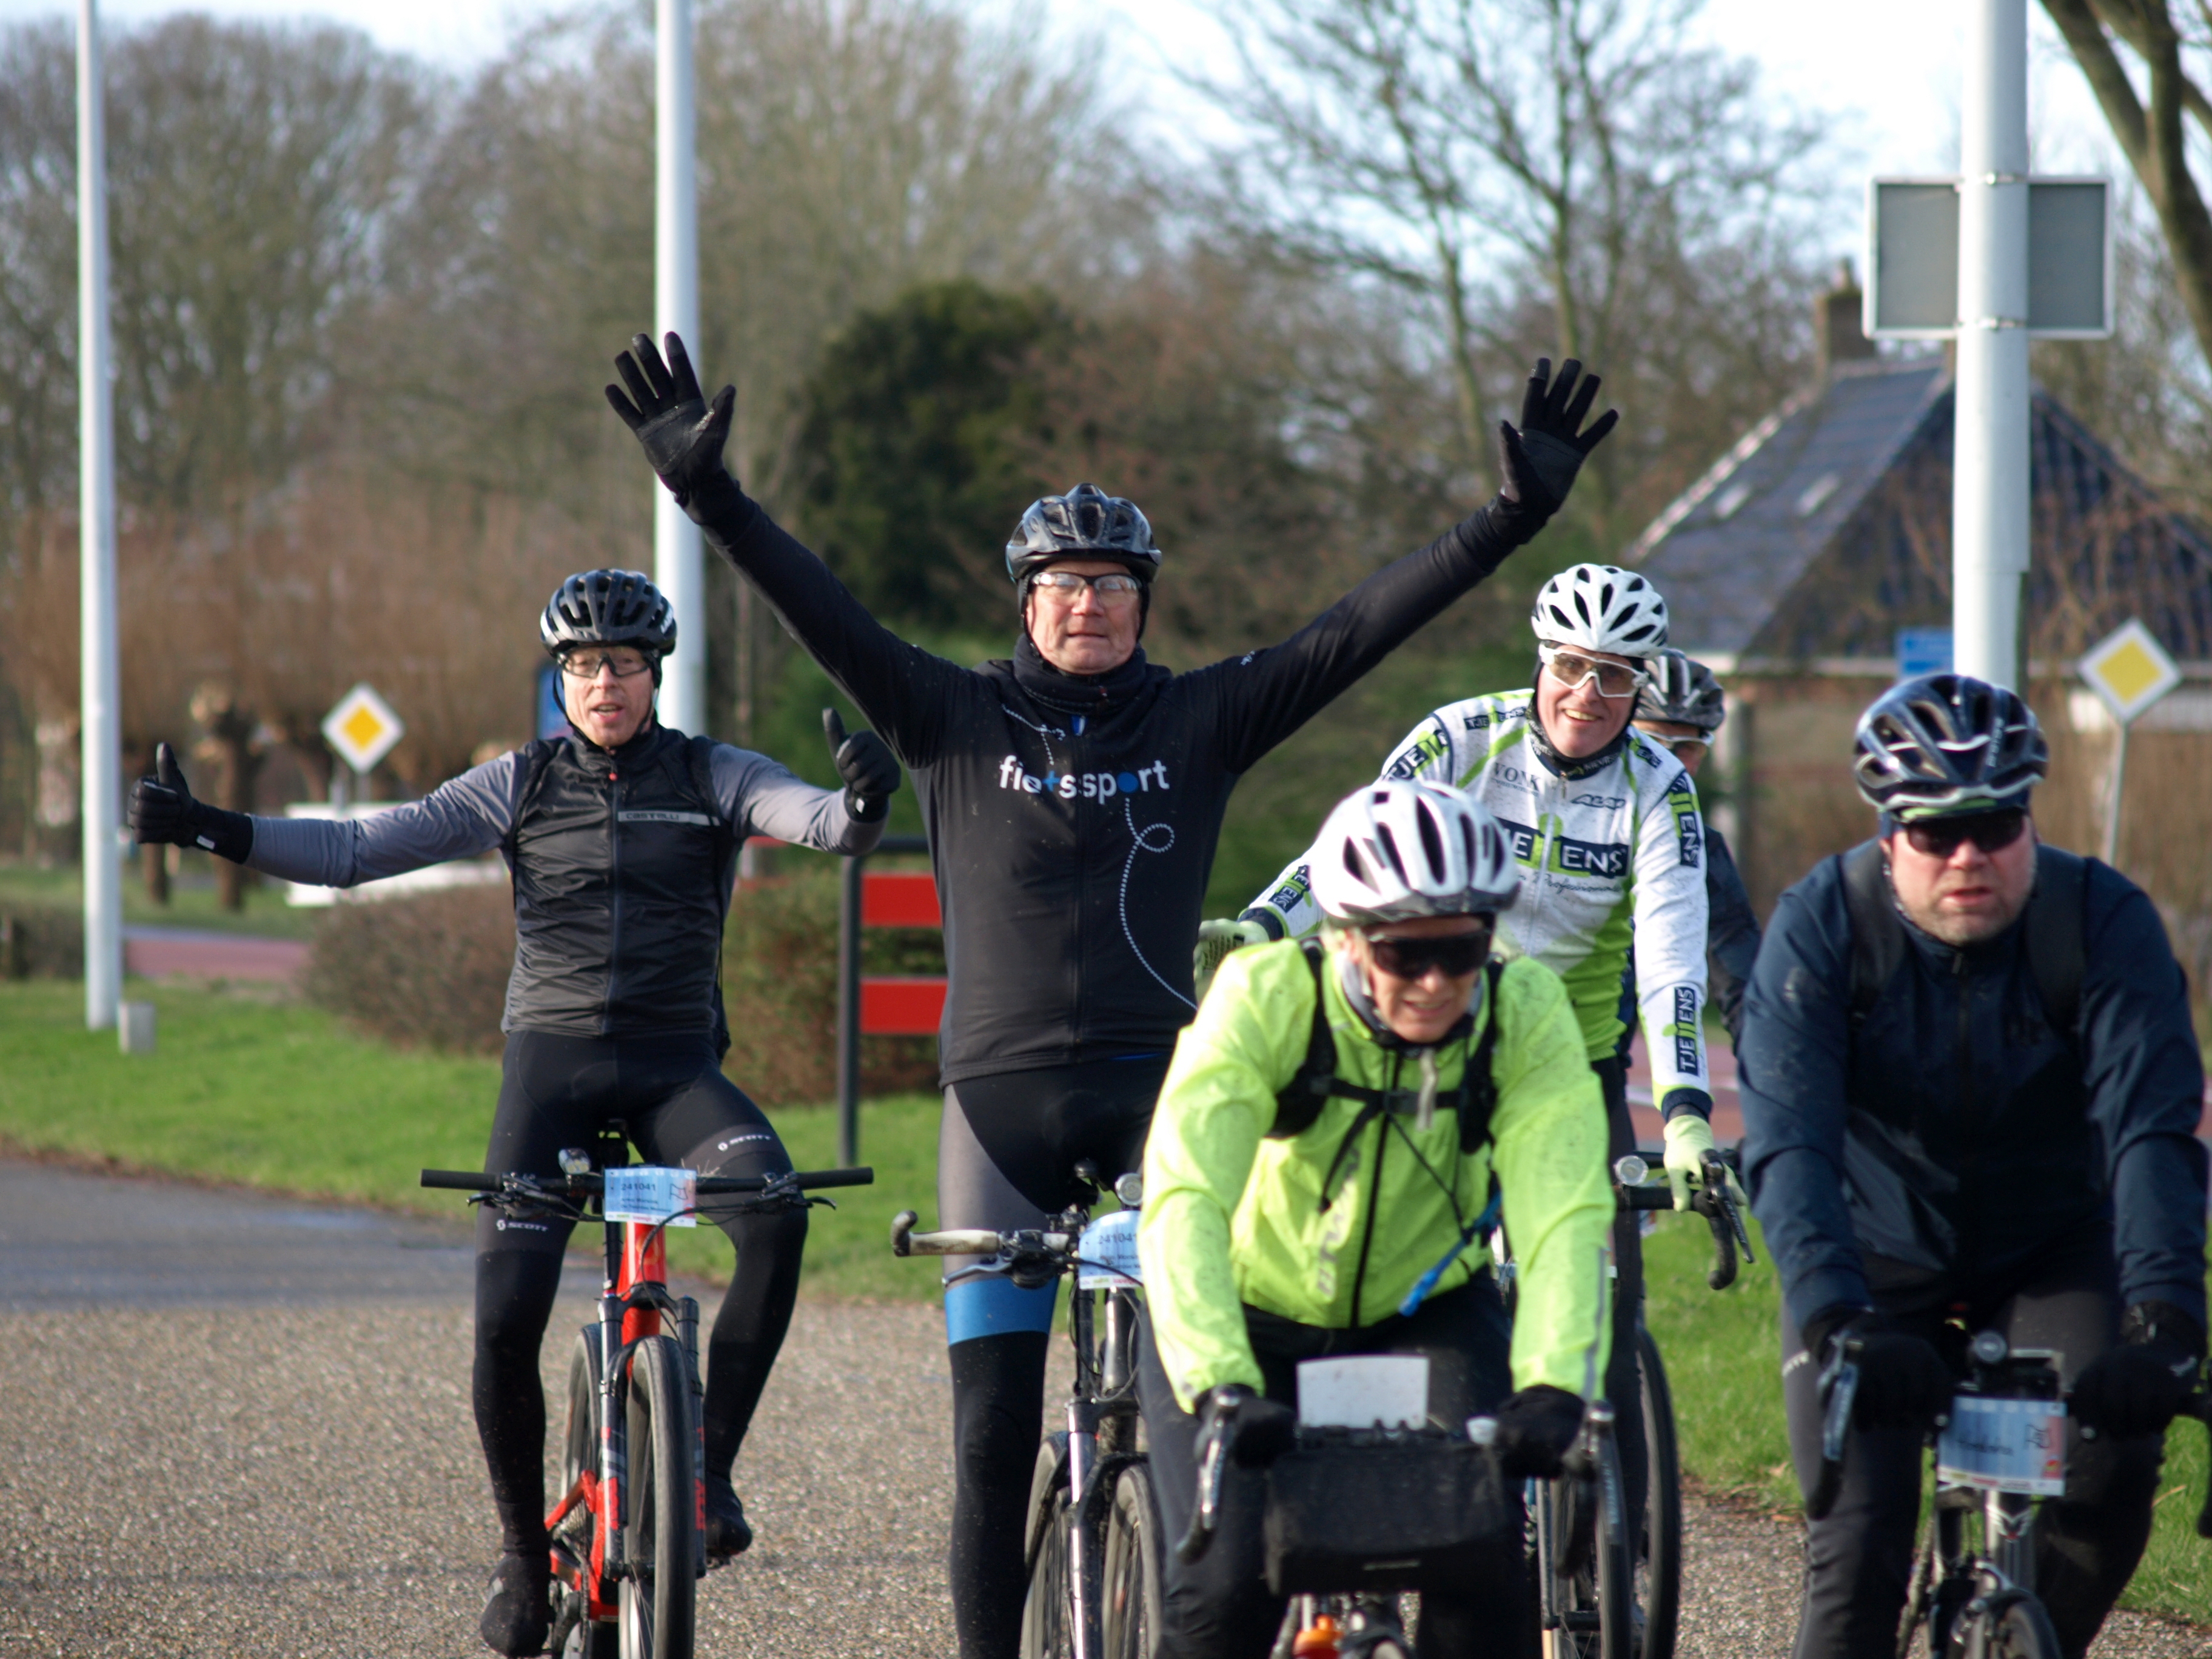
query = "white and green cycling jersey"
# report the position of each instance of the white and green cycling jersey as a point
(1612, 855)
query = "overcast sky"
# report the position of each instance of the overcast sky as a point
(1889, 69)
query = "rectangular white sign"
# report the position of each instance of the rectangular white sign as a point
(2004, 1445)
(1364, 1391)
(1106, 1256)
(651, 1195)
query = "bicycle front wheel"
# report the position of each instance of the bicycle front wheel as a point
(576, 1635)
(1047, 1613)
(1584, 1541)
(1659, 1546)
(1133, 1567)
(2014, 1627)
(660, 1584)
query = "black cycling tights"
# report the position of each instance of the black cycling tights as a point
(670, 1098)
(1005, 1159)
(1858, 1558)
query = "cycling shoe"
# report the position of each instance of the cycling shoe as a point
(727, 1531)
(519, 1612)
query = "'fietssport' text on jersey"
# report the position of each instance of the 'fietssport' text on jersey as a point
(1612, 857)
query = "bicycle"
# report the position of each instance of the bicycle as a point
(1092, 1554)
(2000, 1449)
(1594, 1604)
(629, 1532)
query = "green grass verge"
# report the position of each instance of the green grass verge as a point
(255, 1090)
(1723, 1358)
(192, 900)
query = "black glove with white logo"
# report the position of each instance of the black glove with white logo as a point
(163, 813)
(2138, 1387)
(1904, 1382)
(1537, 1428)
(869, 769)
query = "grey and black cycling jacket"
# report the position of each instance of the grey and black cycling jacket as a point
(623, 864)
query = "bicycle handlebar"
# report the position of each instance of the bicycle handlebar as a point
(1711, 1200)
(969, 1241)
(483, 1181)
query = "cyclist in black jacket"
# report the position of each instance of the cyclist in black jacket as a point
(623, 839)
(1073, 798)
(1971, 1088)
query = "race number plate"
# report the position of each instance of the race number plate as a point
(2004, 1445)
(650, 1194)
(1106, 1255)
(1363, 1391)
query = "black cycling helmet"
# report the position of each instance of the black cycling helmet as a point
(1681, 692)
(1086, 522)
(609, 607)
(1947, 744)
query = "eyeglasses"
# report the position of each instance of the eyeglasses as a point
(586, 665)
(1456, 955)
(1688, 751)
(1069, 585)
(1939, 838)
(1572, 669)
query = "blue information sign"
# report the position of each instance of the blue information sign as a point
(1923, 651)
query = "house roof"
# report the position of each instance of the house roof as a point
(1828, 527)
(1729, 548)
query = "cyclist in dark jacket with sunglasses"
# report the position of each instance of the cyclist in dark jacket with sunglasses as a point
(1073, 797)
(1930, 1137)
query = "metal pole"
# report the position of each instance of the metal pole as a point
(99, 695)
(849, 1012)
(678, 555)
(1990, 482)
(2119, 789)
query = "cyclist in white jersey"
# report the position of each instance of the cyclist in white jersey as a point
(1611, 848)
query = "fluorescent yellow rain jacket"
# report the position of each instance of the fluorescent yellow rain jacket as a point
(1232, 1217)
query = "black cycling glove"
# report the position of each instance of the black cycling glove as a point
(683, 435)
(1260, 1429)
(163, 813)
(2138, 1387)
(1540, 460)
(1904, 1382)
(1537, 1428)
(869, 769)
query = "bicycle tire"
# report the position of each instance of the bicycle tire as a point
(1614, 1562)
(1047, 1629)
(1132, 1593)
(2014, 1625)
(575, 1635)
(1659, 1557)
(658, 1595)
(1585, 1541)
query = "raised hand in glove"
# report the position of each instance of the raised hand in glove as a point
(869, 769)
(683, 435)
(2138, 1387)
(1259, 1430)
(1216, 939)
(1903, 1382)
(1689, 1138)
(163, 813)
(1537, 1428)
(1539, 459)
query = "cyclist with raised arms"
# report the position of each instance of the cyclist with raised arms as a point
(1073, 797)
(1611, 851)
(622, 838)
(1680, 708)
(1290, 1210)
(1971, 1089)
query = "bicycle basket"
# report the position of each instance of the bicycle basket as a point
(1363, 1509)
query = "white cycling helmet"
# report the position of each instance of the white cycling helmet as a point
(1601, 607)
(1395, 850)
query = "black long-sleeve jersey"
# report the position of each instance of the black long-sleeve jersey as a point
(1073, 820)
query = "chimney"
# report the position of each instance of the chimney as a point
(1836, 314)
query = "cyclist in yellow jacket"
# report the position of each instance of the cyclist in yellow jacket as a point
(1300, 1204)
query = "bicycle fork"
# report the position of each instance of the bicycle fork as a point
(614, 1440)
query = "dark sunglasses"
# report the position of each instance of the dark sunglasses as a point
(1456, 954)
(1939, 838)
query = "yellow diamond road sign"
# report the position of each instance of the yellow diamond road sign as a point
(2130, 669)
(362, 728)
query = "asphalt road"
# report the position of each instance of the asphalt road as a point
(240, 1425)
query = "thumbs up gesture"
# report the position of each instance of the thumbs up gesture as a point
(866, 764)
(163, 813)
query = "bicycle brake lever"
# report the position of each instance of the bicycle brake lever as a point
(1195, 1542)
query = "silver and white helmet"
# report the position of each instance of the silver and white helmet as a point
(1682, 691)
(1601, 607)
(1395, 850)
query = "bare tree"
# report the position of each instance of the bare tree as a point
(2152, 126)
(1574, 175)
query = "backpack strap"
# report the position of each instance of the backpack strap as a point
(2055, 934)
(1877, 933)
(1478, 1084)
(1299, 1102)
